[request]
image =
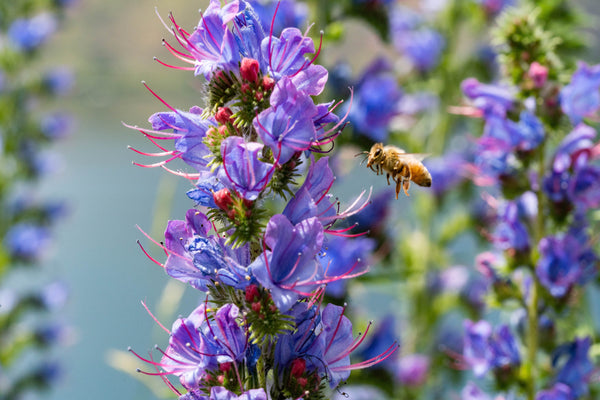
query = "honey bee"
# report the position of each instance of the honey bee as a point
(403, 167)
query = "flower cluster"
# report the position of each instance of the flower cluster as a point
(263, 330)
(26, 220)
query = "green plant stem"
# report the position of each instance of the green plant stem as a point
(532, 306)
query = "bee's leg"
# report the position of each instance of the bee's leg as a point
(398, 183)
(388, 178)
(405, 186)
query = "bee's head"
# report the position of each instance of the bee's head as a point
(376, 154)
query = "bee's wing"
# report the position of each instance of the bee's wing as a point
(416, 156)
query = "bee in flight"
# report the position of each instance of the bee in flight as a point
(403, 167)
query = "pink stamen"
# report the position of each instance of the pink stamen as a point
(149, 256)
(163, 154)
(178, 54)
(173, 66)
(158, 97)
(370, 362)
(191, 177)
(154, 318)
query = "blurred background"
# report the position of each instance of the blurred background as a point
(110, 44)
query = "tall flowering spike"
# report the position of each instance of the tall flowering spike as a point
(290, 269)
(242, 170)
(287, 126)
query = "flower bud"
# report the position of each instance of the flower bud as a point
(298, 367)
(538, 74)
(223, 115)
(249, 70)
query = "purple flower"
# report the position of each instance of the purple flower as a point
(290, 13)
(286, 57)
(29, 34)
(413, 369)
(26, 241)
(313, 198)
(530, 131)
(220, 393)
(202, 194)
(189, 130)
(447, 171)
(344, 258)
(56, 125)
(584, 187)
(59, 81)
(488, 98)
(375, 101)
(565, 260)
(197, 344)
(494, 6)
(201, 260)
(476, 351)
(423, 47)
(559, 391)
(485, 350)
(575, 145)
(290, 269)
(510, 232)
(580, 98)
(472, 392)
(576, 369)
(212, 44)
(287, 126)
(242, 170)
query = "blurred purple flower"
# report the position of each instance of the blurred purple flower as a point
(485, 349)
(494, 7)
(580, 98)
(29, 34)
(489, 98)
(375, 103)
(343, 258)
(576, 369)
(559, 391)
(447, 171)
(566, 260)
(26, 241)
(59, 81)
(423, 47)
(412, 369)
(57, 125)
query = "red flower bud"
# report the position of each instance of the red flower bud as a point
(268, 83)
(256, 307)
(223, 115)
(249, 70)
(298, 367)
(252, 293)
(223, 199)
